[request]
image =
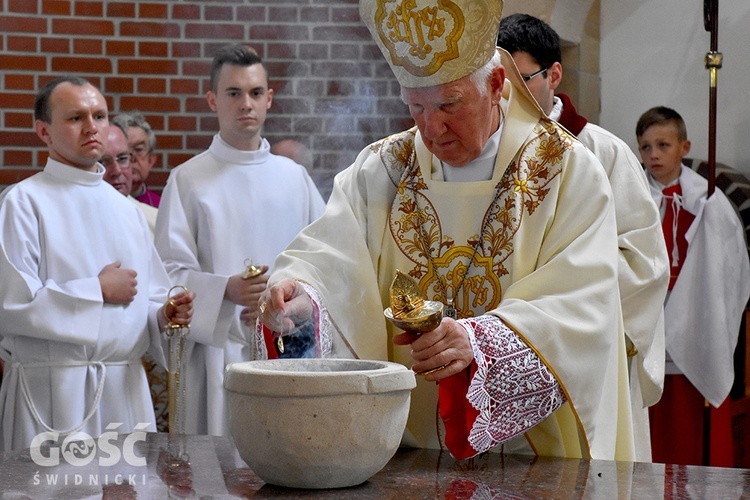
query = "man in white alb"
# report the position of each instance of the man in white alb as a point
(81, 299)
(231, 207)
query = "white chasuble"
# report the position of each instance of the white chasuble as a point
(72, 362)
(545, 264)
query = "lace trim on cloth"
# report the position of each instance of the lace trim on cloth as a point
(260, 341)
(512, 388)
(324, 322)
(324, 327)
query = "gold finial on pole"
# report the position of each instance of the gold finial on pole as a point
(713, 62)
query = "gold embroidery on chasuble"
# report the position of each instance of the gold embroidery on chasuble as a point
(421, 37)
(442, 265)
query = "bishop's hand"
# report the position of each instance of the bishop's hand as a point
(439, 353)
(285, 306)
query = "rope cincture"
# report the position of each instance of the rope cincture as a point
(102, 375)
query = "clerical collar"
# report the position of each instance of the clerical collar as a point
(480, 168)
(557, 109)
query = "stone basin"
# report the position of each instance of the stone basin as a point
(317, 423)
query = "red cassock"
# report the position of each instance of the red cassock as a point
(677, 427)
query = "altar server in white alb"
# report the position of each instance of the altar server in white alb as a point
(83, 291)
(234, 205)
(499, 213)
(643, 272)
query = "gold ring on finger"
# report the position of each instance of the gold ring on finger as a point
(433, 370)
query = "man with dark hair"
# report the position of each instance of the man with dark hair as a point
(82, 300)
(234, 205)
(237, 55)
(643, 266)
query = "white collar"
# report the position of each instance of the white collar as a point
(76, 175)
(231, 155)
(557, 109)
(658, 185)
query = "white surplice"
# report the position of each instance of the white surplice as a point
(218, 210)
(68, 355)
(704, 309)
(643, 274)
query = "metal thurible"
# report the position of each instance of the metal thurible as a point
(251, 270)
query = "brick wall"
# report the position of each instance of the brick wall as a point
(333, 90)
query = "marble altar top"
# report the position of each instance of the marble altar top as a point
(155, 465)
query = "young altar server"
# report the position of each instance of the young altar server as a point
(82, 300)
(497, 212)
(708, 289)
(230, 206)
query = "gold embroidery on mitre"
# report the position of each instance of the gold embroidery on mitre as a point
(420, 38)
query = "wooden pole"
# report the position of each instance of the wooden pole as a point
(713, 62)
